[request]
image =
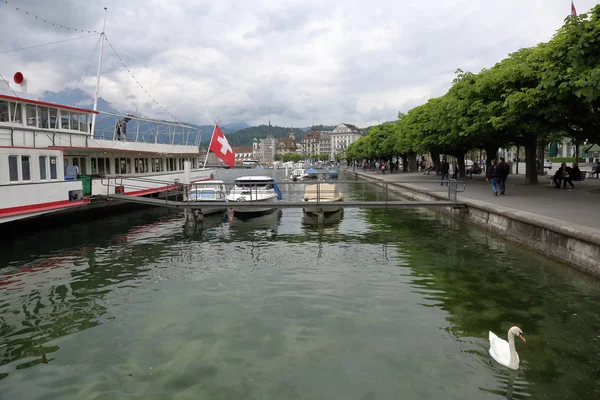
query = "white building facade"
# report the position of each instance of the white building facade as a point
(343, 136)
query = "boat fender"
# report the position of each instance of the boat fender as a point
(241, 199)
(276, 188)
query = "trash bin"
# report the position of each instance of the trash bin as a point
(86, 182)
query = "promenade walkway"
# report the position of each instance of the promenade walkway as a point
(581, 206)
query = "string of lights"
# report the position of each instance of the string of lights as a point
(136, 80)
(11, 89)
(46, 44)
(55, 24)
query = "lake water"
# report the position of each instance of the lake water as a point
(375, 304)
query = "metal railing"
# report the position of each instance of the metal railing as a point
(359, 193)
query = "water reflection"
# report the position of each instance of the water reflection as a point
(369, 304)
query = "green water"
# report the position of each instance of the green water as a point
(374, 305)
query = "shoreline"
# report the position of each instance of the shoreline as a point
(574, 244)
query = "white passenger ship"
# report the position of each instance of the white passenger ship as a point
(50, 161)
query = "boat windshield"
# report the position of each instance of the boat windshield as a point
(254, 185)
(206, 194)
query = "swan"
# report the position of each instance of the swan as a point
(504, 352)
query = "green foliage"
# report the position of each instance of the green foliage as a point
(291, 157)
(244, 137)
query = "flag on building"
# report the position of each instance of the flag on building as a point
(573, 10)
(220, 146)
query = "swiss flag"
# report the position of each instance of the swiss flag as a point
(573, 10)
(220, 146)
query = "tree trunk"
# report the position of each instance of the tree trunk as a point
(531, 173)
(435, 157)
(461, 166)
(491, 153)
(404, 163)
(517, 160)
(413, 162)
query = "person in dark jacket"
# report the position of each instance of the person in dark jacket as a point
(445, 168)
(574, 174)
(492, 177)
(560, 174)
(503, 170)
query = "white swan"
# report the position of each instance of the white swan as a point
(504, 352)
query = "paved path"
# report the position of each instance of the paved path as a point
(579, 206)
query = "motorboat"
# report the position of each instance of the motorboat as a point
(259, 190)
(312, 173)
(209, 193)
(298, 174)
(322, 198)
(332, 173)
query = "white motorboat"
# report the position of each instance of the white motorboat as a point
(209, 193)
(298, 174)
(259, 190)
(322, 198)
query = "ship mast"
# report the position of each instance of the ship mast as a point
(93, 128)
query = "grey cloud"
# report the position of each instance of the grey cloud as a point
(297, 60)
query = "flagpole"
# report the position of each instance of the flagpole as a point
(209, 144)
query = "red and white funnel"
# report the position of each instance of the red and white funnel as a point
(20, 80)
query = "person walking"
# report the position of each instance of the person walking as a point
(503, 171)
(492, 177)
(445, 168)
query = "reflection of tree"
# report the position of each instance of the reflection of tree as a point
(486, 284)
(61, 292)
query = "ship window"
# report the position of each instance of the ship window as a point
(13, 168)
(53, 174)
(128, 165)
(43, 168)
(32, 119)
(4, 111)
(53, 118)
(83, 122)
(64, 119)
(101, 168)
(25, 168)
(15, 113)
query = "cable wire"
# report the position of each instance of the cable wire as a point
(56, 24)
(135, 79)
(11, 89)
(45, 44)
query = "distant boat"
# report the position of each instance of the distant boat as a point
(299, 174)
(312, 173)
(332, 173)
(322, 198)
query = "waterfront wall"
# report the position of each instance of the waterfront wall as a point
(575, 245)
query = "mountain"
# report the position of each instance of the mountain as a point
(234, 126)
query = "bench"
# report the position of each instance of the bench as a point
(582, 176)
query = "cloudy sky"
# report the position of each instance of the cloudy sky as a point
(298, 60)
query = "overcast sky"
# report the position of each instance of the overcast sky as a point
(299, 60)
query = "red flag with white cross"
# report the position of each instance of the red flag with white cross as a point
(220, 146)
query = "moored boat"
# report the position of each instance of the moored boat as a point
(312, 173)
(260, 191)
(332, 173)
(209, 193)
(298, 174)
(322, 198)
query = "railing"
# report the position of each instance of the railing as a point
(378, 194)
